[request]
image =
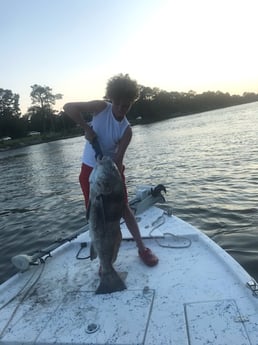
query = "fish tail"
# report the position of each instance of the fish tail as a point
(110, 282)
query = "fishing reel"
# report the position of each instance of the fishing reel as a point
(23, 262)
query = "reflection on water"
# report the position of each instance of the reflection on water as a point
(207, 161)
(40, 198)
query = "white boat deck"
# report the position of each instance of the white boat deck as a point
(196, 295)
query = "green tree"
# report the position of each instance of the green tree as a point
(9, 103)
(42, 111)
(11, 125)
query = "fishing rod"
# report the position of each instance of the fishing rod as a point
(145, 197)
(23, 261)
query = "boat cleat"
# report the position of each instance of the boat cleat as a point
(253, 286)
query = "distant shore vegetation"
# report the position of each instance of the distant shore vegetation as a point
(43, 123)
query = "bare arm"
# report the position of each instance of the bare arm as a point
(75, 109)
(123, 144)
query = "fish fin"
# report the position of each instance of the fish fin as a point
(93, 253)
(110, 282)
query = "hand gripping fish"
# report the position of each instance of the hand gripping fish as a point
(107, 200)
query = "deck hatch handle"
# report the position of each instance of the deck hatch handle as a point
(253, 286)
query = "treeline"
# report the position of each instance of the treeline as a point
(153, 105)
(41, 117)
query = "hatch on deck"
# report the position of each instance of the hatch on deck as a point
(86, 318)
(215, 323)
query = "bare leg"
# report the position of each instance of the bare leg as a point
(145, 253)
(132, 226)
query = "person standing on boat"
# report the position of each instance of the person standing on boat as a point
(113, 132)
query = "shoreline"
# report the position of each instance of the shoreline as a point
(6, 145)
(13, 144)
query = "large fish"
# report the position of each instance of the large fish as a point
(107, 200)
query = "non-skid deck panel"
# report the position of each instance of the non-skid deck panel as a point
(216, 323)
(195, 288)
(85, 318)
(154, 223)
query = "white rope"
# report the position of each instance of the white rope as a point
(156, 224)
(22, 298)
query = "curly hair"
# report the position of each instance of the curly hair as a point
(121, 86)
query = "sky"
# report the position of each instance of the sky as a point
(75, 46)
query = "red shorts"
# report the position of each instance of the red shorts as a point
(85, 185)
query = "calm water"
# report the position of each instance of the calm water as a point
(207, 161)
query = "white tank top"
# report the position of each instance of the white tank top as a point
(109, 132)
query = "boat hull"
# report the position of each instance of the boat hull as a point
(197, 294)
